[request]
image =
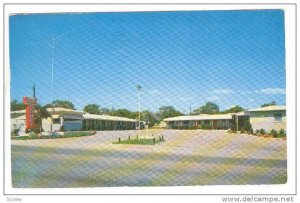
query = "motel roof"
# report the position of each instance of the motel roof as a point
(23, 117)
(18, 112)
(269, 108)
(106, 117)
(51, 110)
(201, 117)
(64, 110)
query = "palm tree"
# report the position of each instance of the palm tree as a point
(40, 115)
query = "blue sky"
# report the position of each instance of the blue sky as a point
(183, 59)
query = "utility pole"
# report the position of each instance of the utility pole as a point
(139, 106)
(33, 90)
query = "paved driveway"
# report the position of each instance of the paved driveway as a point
(188, 157)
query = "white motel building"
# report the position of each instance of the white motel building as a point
(74, 120)
(268, 118)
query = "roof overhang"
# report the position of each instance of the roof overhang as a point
(201, 117)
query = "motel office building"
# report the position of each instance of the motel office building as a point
(268, 118)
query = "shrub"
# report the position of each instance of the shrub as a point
(262, 131)
(231, 131)
(36, 131)
(282, 133)
(192, 128)
(243, 130)
(273, 133)
(206, 127)
(27, 131)
(233, 128)
(15, 132)
(256, 132)
(248, 127)
(250, 131)
(33, 135)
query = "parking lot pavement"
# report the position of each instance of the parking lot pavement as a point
(187, 157)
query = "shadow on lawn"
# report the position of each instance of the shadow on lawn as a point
(162, 156)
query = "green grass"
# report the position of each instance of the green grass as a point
(53, 136)
(139, 141)
(20, 138)
(76, 134)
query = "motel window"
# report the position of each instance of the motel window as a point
(71, 119)
(278, 117)
(56, 121)
(185, 122)
(171, 122)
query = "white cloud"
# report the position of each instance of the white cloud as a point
(246, 93)
(222, 91)
(213, 98)
(155, 92)
(271, 91)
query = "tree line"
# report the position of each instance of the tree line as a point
(146, 115)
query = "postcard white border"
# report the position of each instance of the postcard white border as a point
(288, 188)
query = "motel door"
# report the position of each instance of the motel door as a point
(214, 126)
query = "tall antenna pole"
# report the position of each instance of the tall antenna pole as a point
(52, 45)
(52, 78)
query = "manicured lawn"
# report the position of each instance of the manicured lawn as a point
(20, 137)
(140, 141)
(75, 134)
(53, 136)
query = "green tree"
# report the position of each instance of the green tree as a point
(107, 111)
(208, 108)
(149, 116)
(64, 104)
(168, 111)
(92, 109)
(123, 113)
(16, 106)
(269, 104)
(234, 109)
(40, 115)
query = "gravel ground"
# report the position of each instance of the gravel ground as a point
(187, 157)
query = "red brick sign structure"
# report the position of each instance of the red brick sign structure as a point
(30, 104)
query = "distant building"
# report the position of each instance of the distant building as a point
(68, 119)
(268, 118)
(106, 122)
(216, 121)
